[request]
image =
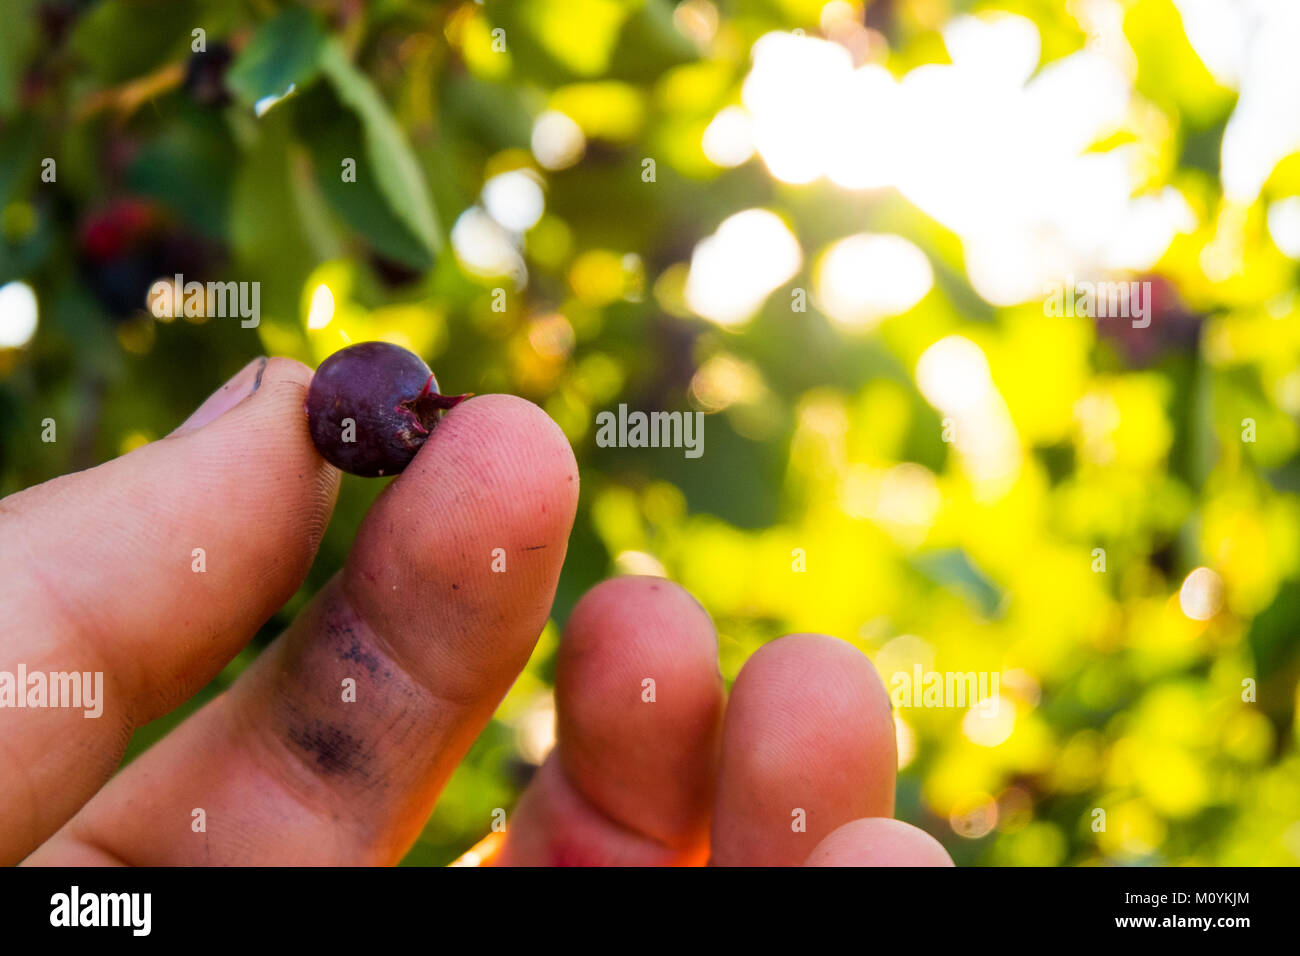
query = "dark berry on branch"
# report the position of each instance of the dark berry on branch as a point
(205, 75)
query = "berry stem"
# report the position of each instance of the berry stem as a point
(429, 405)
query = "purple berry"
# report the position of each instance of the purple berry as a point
(205, 75)
(371, 406)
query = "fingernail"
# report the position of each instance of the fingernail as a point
(245, 382)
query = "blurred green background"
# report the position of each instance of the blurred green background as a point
(901, 447)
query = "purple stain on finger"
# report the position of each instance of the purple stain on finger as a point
(371, 406)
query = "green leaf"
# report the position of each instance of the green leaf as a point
(267, 234)
(284, 54)
(396, 172)
(650, 44)
(19, 169)
(18, 159)
(331, 136)
(188, 168)
(1273, 634)
(123, 39)
(17, 40)
(490, 114)
(559, 41)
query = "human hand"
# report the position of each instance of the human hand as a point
(96, 575)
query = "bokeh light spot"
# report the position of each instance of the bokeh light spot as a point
(18, 314)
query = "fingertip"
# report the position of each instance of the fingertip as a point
(278, 398)
(474, 529)
(513, 414)
(630, 598)
(833, 665)
(639, 704)
(282, 369)
(245, 385)
(809, 740)
(629, 637)
(517, 449)
(879, 841)
(259, 457)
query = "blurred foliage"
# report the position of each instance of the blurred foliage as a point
(824, 449)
